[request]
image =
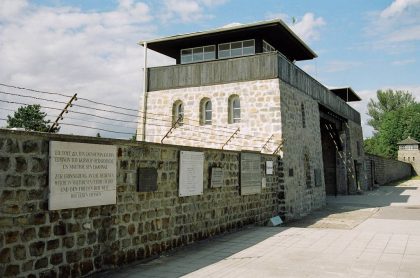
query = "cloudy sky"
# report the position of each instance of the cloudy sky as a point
(89, 47)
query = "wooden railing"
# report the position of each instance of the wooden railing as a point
(296, 77)
(256, 67)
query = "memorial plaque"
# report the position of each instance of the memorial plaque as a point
(216, 177)
(250, 173)
(191, 172)
(269, 167)
(81, 175)
(147, 179)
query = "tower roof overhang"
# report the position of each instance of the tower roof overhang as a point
(346, 93)
(275, 32)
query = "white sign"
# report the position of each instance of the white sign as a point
(250, 173)
(191, 172)
(81, 175)
(269, 167)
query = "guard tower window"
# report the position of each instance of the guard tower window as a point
(236, 49)
(302, 108)
(234, 109)
(268, 47)
(206, 111)
(178, 113)
(198, 54)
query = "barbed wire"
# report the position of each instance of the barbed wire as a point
(164, 120)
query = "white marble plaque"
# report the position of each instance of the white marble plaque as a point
(250, 173)
(191, 172)
(216, 177)
(269, 167)
(81, 175)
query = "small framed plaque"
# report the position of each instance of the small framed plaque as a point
(216, 177)
(269, 167)
(147, 179)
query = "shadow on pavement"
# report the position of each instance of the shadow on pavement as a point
(187, 259)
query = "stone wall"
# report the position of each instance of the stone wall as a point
(386, 170)
(260, 116)
(36, 242)
(301, 140)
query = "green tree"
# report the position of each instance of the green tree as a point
(30, 117)
(395, 126)
(388, 100)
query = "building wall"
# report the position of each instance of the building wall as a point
(260, 116)
(301, 199)
(387, 170)
(36, 241)
(414, 156)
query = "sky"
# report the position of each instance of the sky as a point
(91, 47)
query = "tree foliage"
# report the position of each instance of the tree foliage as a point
(30, 117)
(396, 126)
(388, 101)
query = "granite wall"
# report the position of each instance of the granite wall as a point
(36, 242)
(382, 170)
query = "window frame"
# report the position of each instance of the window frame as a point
(203, 54)
(205, 110)
(230, 49)
(265, 44)
(176, 112)
(232, 119)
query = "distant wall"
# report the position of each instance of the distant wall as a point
(81, 241)
(382, 170)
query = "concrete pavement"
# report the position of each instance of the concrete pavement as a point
(372, 235)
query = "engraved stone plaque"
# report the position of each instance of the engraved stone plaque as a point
(250, 173)
(216, 177)
(269, 167)
(147, 179)
(191, 172)
(81, 175)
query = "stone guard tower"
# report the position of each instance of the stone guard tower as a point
(238, 88)
(409, 151)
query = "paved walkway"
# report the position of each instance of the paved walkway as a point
(372, 235)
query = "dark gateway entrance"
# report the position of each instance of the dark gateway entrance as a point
(331, 144)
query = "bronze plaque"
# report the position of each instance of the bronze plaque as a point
(147, 179)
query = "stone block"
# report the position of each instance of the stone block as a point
(56, 259)
(73, 256)
(41, 263)
(38, 165)
(64, 271)
(53, 244)
(73, 227)
(60, 229)
(51, 273)
(28, 266)
(28, 235)
(21, 164)
(36, 249)
(11, 271)
(13, 181)
(86, 267)
(44, 232)
(19, 252)
(5, 255)
(4, 163)
(11, 237)
(11, 146)
(68, 242)
(30, 147)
